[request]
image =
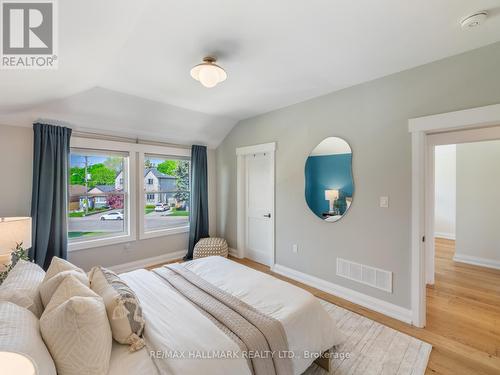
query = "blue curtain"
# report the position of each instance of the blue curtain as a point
(198, 219)
(50, 193)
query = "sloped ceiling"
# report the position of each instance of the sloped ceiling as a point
(124, 65)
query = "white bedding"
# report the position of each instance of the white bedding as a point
(123, 362)
(307, 324)
(172, 323)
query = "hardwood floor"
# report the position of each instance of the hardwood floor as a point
(463, 315)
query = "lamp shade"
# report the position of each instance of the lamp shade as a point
(16, 364)
(331, 195)
(14, 230)
(208, 73)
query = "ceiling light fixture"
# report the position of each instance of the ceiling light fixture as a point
(473, 20)
(208, 73)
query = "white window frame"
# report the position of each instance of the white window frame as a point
(131, 225)
(136, 192)
(163, 152)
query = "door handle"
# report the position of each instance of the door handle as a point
(268, 216)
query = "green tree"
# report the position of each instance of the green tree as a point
(168, 167)
(182, 174)
(101, 175)
(77, 176)
(114, 162)
(148, 164)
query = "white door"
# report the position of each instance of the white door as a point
(259, 205)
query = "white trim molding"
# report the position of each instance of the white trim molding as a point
(468, 118)
(444, 235)
(477, 261)
(256, 149)
(468, 125)
(241, 152)
(234, 253)
(148, 262)
(372, 303)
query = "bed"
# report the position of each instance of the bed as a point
(208, 316)
(178, 334)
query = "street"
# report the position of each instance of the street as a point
(153, 221)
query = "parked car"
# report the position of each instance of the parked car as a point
(115, 215)
(161, 207)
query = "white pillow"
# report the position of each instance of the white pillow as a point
(57, 271)
(20, 333)
(48, 287)
(76, 330)
(22, 286)
(122, 305)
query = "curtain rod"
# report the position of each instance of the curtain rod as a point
(93, 135)
(116, 138)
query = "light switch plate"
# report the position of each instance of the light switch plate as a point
(295, 248)
(384, 202)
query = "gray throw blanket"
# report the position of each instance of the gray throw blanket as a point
(260, 336)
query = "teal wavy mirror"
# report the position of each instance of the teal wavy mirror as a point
(329, 183)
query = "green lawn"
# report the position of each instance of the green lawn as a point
(83, 234)
(179, 213)
(92, 211)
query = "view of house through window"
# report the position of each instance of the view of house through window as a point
(166, 193)
(97, 194)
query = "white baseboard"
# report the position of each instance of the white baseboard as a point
(372, 303)
(476, 261)
(446, 236)
(235, 253)
(148, 262)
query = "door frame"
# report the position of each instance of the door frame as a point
(479, 122)
(241, 153)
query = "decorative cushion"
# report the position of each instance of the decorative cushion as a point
(20, 333)
(58, 270)
(59, 265)
(76, 331)
(22, 286)
(123, 307)
(210, 246)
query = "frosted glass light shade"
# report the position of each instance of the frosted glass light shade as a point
(16, 364)
(14, 230)
(208, 73)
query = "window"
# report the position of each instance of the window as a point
(98, 200)
(115, 196)
(166, 204)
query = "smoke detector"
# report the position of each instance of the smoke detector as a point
(473, 20)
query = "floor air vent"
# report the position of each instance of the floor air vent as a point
(374, 277)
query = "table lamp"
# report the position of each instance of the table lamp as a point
(13, 230)
(331, 196)
(16, 364)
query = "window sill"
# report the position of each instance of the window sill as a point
(99, 242)
(109, 241)
(164, 232)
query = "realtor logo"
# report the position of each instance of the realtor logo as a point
(28, 34)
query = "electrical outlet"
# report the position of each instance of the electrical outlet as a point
(384, 202)
(295, 248)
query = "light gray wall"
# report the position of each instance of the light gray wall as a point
(373, 118)
(16, 158)
(16, 165)
(478, 200)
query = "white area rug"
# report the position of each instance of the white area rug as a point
(372, 348)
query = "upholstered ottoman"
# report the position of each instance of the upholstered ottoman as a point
(210, 246)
